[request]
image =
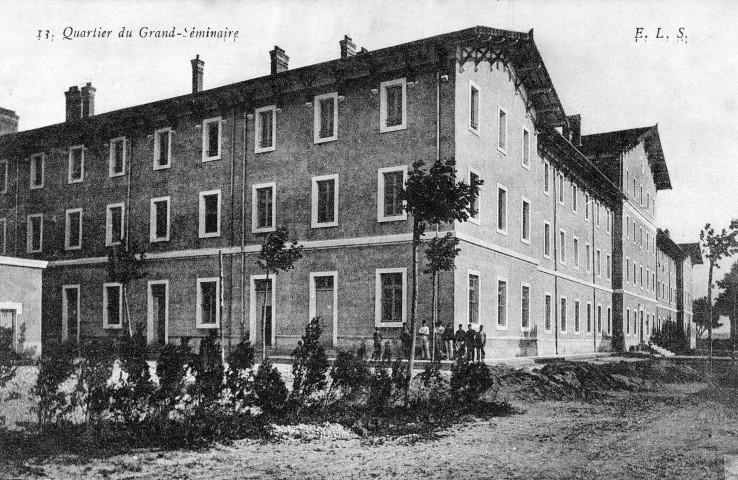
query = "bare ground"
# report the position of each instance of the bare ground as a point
(679, 431)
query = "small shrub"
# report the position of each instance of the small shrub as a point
(309, 364)
(172, 369)
(350, 374)
(55, 367)
(132, 395)
(208, 370)
(469, 380)
(94, 369)
(380, 389)
(239, 378)
(433, 387)
(269, 388)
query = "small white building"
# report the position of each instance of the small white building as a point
(20, 302)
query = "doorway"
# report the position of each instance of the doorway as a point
(323, 304)
(157, 328)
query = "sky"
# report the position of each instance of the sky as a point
(688, 87)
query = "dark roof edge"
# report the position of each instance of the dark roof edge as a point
(694, 251)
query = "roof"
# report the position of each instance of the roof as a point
(665, 243)
(606, 146)
(472, 44)
(694, 251)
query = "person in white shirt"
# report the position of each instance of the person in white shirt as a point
(424, 332)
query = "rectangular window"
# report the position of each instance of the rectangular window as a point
(474, 204)
(265, 128)
(70, 312)
(393, 111)
(588, 259)
(112, 305)
(576, 316)
(575, 244)
(598, 263)
(599, 318)
(574, 198)
(162, 148)
(525, 222)
(35, 233)
(73, 229)
(263, 207)
(608, 266)
(117, 157)
(76, 171)
(627, 322)
(546, 239)
(635, 189)
(634, 232)
(208, 302)
(325, 117)
(211, 139)
(473, 107)
(641, 196)
(563, 314)
(589, 317)
(502, 130)
(586, 207)
(608, 226)
(627, 226)
(325, 201)
(597, 213)
(609, 320)
(641, 277)
(562, 247)
(391, 292)
(526, 148)
(501, 209)
(561, 188)
(547, 312)
(546, 178)
(114, 224)
(3, 176)
(390, 185)
(159, 220)
(501, 303)
(209, 214)
(37, 171)
(648, 243)
(525, 307)
(473, 298)
(640, 238)
(3, 235)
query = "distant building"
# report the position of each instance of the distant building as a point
(563, 219)
(20, 304)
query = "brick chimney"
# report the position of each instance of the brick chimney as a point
(74, 104)
(280, 60)
(8, 121)
(88, 100)
(198, 66)
(348, 48)
(574, 132)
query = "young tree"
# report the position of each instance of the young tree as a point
(440, 255)
(433, 196)
(726, 302)
(273, 258)
(701, 314)
(125, 264)
(717, 245)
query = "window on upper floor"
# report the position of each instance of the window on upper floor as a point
(393, 105)
(526, 148)
(325, 201)
(263, 208)
(561, 188)
(117, 157)
(209, 214)
(76, 167)
(266, 129)
(588, 257)
(525, 222)
(112, 305)
(114, 221)
(640, 199)
(390, 185)
(546, 178)
(159, 219)
(575, 253)
(474, 204)
(325, 117)
(3, 176)
(162, 148)
(501, 209)
(473, 107)
(635, 189)
(73, 229)
(598, 263)
(211, 139)
(627, 270)
(547, 239)
(562, 247)
(574, 203)
(3, 235)
(608, 225)
(502, 129)
(586, 206)
(608, 266)
(35, 233)
(37, 171)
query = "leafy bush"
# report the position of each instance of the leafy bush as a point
(55, 367)
(132, 395)
(239, 377)
(432, 385)
(380, 389)
(94, 369)
(208, 370)
(269, 388)
(309, 364)
(671, 337)
(350, 374)
(171, 369)
(469, 380)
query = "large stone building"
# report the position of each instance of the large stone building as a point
(199, 180)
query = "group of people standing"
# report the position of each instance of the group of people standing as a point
(448, 345)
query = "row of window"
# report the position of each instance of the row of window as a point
(562, 248)
(631, 186)
(641, 237)
(393, 116)
(525, 299)
(632, 326)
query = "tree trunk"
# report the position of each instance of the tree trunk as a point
(413, 310)
(709, 319)
(434, 340)
(263, 320)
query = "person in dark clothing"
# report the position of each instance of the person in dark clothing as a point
(481, 342)
(459, 339)
(377, 345)
(406, 340)
(448, 340)
(471, 342)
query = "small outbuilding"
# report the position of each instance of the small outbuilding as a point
(20, 304)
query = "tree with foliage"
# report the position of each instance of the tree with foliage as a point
(726, 302)
(125, 264)
(309, 364)
(433, 196)
(717, 245)
(440, 255)
(701, 312)
(274, 258)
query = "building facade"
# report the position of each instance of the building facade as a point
(197, 182)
